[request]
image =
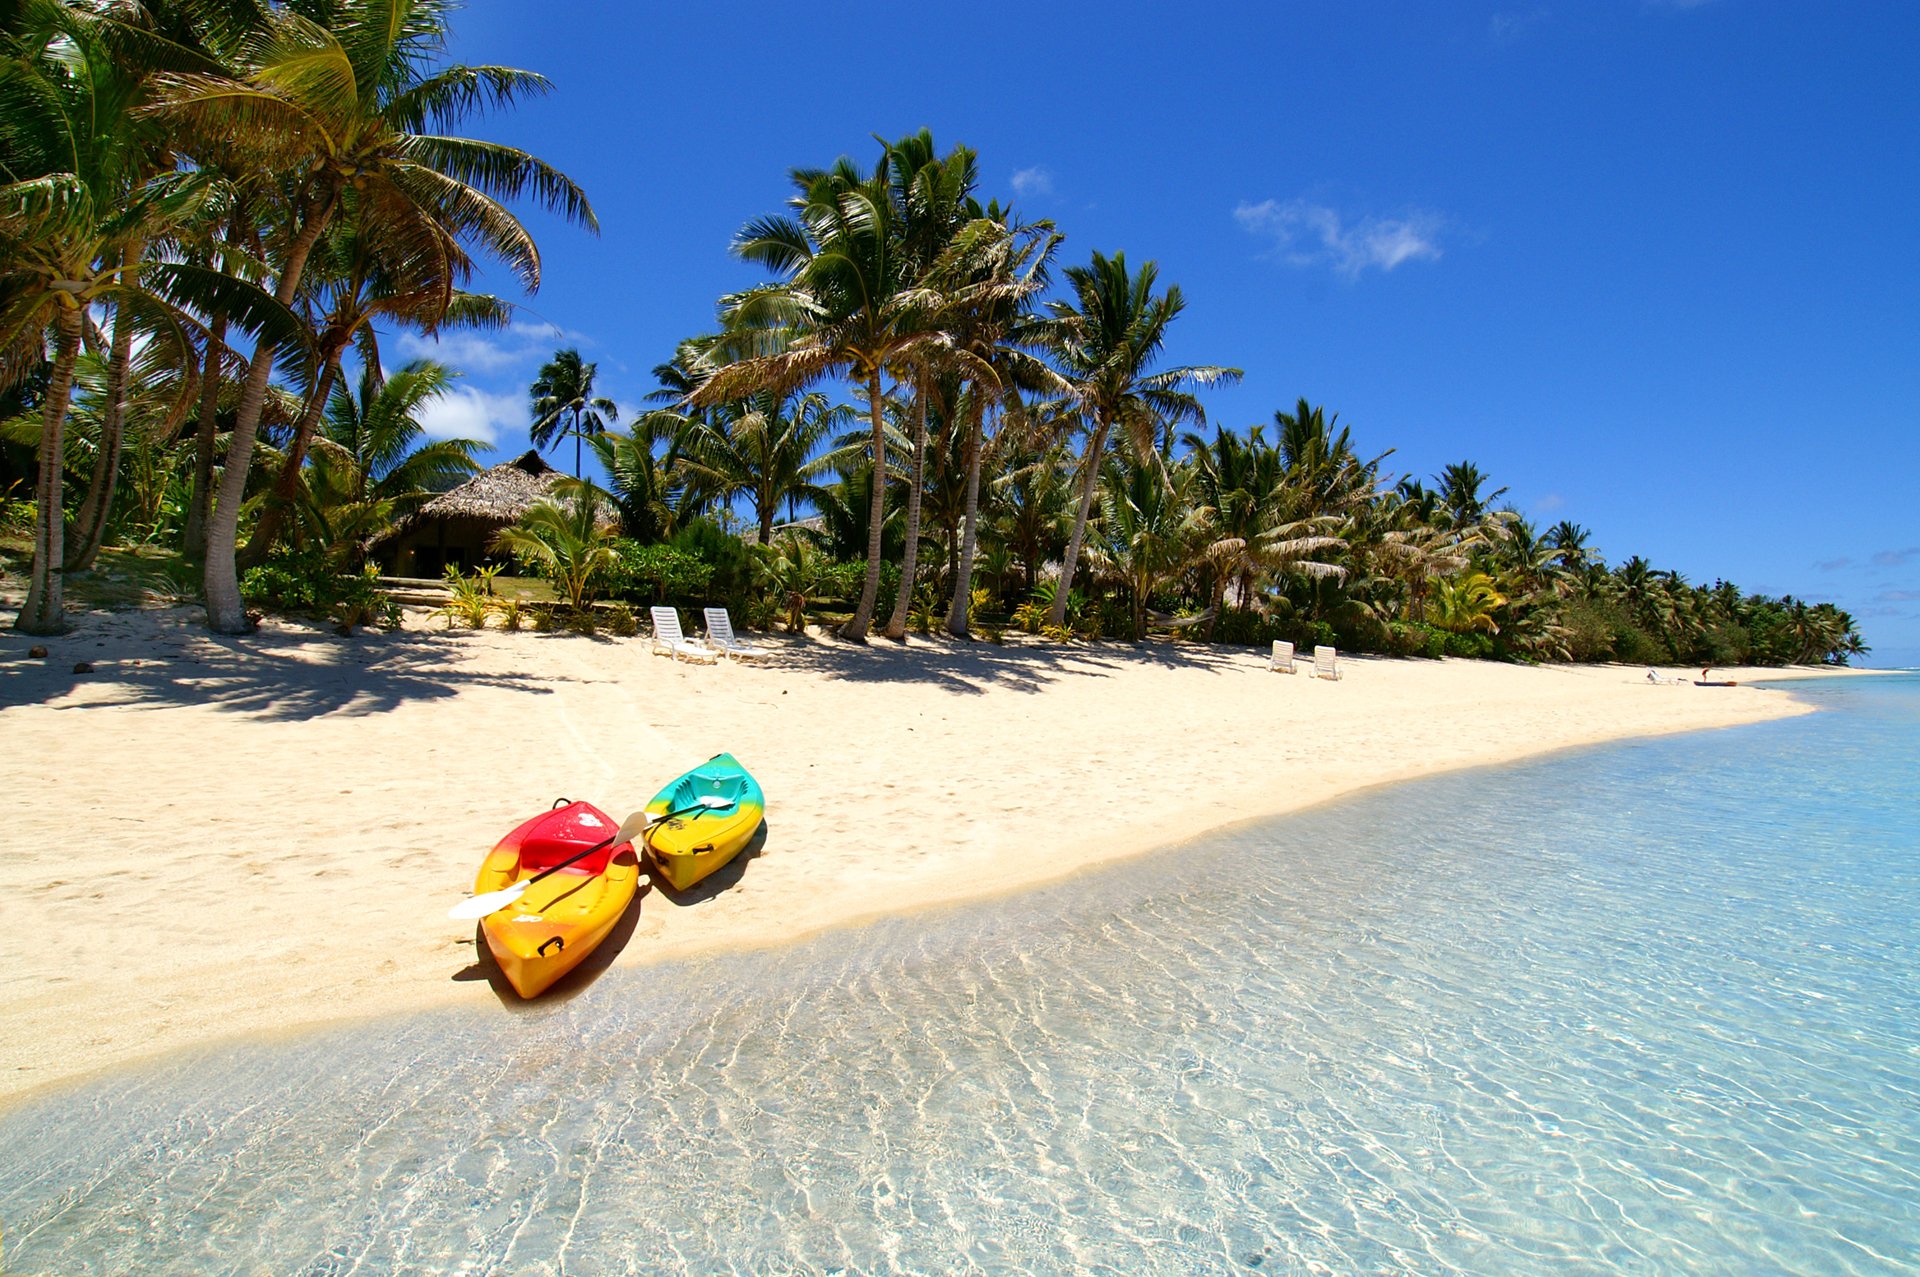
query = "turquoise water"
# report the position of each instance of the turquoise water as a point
(1647, 1009)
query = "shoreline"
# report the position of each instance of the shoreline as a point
(185, 920)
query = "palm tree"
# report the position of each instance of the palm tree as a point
(647, 488)
(762, 447)
(1248, 507)
(371, 452)
(566, 536)
(79, 203)
(999, 268)
(1106, 340)
(845, 305)
(343, 107)
(354, 280)
(564, 392)
(1149, 529)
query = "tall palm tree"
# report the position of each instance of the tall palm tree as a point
(1000, 267)
(563, 392)
(343, 105)
(845, 304)
(1106, 341)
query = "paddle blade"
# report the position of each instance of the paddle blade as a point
(633, 827)
(491, 902)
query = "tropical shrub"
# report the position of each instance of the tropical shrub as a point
(621, 621)
(657, 574)
(566, 538)
(470, 599)
(306, 582)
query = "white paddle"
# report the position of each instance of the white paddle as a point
(638, 823)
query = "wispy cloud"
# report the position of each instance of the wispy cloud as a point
(1897, 596)
(1549, 503)
(1032, 181)
(465, 412)
(1307, 234)
(1511, 24)
(1833, 565)
(1896, 558)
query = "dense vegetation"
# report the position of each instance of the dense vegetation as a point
(211, 206)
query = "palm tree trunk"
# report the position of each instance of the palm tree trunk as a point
(856, 626)
(226, 612)
(910, 561)
(206, 433)
(957, 611)
(1218, 601)
(273, 518)
(90, 525)
(1089, 482)
(44, 612)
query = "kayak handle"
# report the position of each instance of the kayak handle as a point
(556, 941)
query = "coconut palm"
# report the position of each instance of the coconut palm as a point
(1106, 340)
(763, 447)
(647, 491)
(341, 103)
(373, 434)
(563, 392)
(845, 305)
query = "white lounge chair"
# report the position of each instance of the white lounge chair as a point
(1326, 663)
(1282, 660)
(720, 637)
(668, 638)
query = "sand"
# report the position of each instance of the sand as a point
(209, 837)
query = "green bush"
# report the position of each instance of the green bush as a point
(621, 621)
(658, 574)
(305, 583)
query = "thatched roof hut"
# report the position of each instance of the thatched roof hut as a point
(457, 527)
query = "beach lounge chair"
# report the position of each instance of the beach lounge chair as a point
(1282, 660)
(668, 638)
(721, 639)
(1326, 663)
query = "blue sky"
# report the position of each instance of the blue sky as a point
(1650, 264)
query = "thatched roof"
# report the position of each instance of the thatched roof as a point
(500, 495)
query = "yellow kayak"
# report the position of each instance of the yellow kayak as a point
(560, 920)
(700, 839)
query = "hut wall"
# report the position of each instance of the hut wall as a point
(428, 547)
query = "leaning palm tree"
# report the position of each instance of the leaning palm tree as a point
(343, 105)
(565, 535)
(563, 392)
(1106, 341)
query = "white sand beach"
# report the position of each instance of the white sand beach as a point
(210, 837)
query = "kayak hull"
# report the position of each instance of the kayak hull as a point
(563, 918)
(697, 843)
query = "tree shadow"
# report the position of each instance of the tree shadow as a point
(717, 881)
(567, 987)
(972, 668)
(279, 674)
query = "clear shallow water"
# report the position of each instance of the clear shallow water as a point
(1648, 1009)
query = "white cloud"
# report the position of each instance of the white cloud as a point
(1549, 503)
(1306, 234)
(1032, 181)
(517, 345)
(468, 413)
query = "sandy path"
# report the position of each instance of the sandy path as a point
(208, 837)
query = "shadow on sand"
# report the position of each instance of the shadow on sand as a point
(971, 668)
(279, 674)
(717, 881)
